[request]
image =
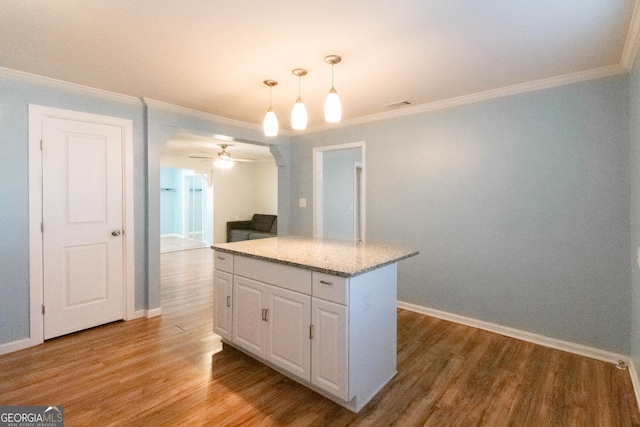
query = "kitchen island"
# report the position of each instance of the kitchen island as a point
(321, 312)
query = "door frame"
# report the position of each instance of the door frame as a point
(318, 185)
(36, 280)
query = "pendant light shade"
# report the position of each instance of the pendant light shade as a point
(299, 112)
(332, 106)
(270, 123)
(299, 115)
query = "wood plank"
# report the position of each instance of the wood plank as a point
(170, 370)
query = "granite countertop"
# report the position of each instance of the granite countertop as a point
(340, 258)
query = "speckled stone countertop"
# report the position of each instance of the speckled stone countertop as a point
(340, 258)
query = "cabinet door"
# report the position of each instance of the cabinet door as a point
(288, 322)
(222, 295)
(248, 330)
(329, 360)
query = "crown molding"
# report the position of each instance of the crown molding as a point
(205, 116)
(594, 73)
(632, 42)
(51, 83)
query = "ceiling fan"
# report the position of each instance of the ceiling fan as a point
(223, 160)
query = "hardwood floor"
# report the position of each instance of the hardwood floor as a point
(170, 371)
(175, 244)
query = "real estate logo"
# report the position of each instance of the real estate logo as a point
(31, 416)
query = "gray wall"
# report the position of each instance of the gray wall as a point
(15, 96)
(519, 207)
(634, 255)
(152, 127)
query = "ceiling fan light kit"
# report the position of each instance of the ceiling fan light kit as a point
(224, 159)
(299, 116)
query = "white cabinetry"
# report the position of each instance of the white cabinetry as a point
(288, 325)
(222, 295)
(329, 347)
(335, 335)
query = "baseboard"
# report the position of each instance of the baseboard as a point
(172, 235)
(148, 313)
(154, 312)
(12, 346)
(634, 379)
(579, 349)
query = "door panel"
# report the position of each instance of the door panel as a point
(82, 206)
(329, 347)
(248, 329)
(222, 289)
(288, 342)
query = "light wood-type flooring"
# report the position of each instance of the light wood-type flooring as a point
(169, 371)
(175, 244)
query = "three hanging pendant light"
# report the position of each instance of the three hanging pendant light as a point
(299, 116)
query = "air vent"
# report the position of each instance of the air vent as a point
(398, 103)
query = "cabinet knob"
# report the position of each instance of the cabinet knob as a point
(324, 282)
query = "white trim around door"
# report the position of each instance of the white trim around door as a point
(36, 115)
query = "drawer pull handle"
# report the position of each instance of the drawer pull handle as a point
(228, 300)
(265, 314)
(324, 282)
(221, 258)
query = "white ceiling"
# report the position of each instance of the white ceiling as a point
(198, 152)
(212, 55)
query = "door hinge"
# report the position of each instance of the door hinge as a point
(42, 308)
(310, 332)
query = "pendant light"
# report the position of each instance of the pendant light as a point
(299, 112)
(270, 123)
(332, 106)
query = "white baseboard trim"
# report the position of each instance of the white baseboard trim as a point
(154, 312)
(579, 349)
(634, 379)
(12, 346)
(148, 313)
(172, 235)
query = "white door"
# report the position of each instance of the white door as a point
(249, 315)
(288, 322)
(82, 211)
(222, 288)
(329, 347)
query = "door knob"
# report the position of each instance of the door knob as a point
(115, 233)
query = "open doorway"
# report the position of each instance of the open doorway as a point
(186, 210)
(339, 192)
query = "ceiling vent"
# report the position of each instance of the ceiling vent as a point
(402, 103)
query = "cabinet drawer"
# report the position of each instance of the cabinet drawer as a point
(284, 276)
(223, 261)
(330, 288)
